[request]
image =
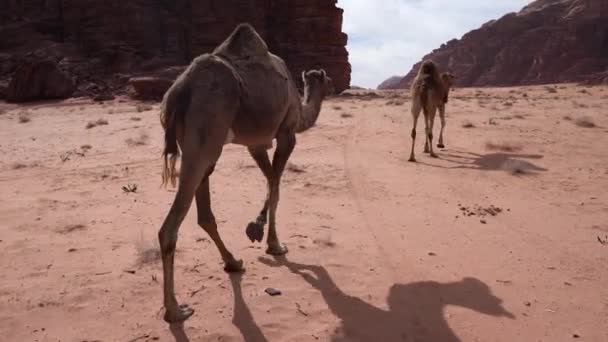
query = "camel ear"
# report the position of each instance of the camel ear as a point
(304, 76)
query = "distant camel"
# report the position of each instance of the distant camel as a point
(243, 94)
(430, 92)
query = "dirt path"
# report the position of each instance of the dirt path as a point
(497, 240)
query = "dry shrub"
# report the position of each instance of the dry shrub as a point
(336, 107)
(551, 90)
(493, 122)
(86, 147)
(515, 167)
(346, 115)
(147, 253)
(143, 107)
(141, 140)
(468, 124)
(99, 122)
(519, 116)
(135, 118)
(394, 103)
(24, 118)
(567, 117)
(18, 166)
(504, 146)
(585, 122)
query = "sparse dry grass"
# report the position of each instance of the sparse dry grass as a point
(70, 228)
(135, 118)
(98, 122)
(585, 122)
(504, 146)
(141, 140)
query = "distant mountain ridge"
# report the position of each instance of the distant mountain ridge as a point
(548, 41)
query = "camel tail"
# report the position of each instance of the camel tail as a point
(173, 109)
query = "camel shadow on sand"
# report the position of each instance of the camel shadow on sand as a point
(499, 161)
(415, 310)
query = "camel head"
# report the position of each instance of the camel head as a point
(316, 80)
(448, 79)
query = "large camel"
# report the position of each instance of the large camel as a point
(430, 91)
(242, 94)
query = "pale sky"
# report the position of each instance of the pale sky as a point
(387, 37)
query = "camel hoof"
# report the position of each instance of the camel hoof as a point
(234, 266)
(441, 145)
(255, 231)
(413, 160)
(182, 313)
(277, 250)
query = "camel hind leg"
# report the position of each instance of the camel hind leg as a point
(430, 120)
(416, 108)
(192, 172)
(442, 118)
(206, 125)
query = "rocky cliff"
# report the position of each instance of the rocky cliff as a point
(548, 41)
(101, 43)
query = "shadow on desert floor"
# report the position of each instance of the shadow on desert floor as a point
(415, 310)
(498, 161)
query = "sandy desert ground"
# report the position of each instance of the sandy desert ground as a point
(503, 238)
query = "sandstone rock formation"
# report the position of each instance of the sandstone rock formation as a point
(548, 41)
(104, 43)
(391, 83)
(38, 80)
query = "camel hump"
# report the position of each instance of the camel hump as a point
(428, 68)
(244, 41)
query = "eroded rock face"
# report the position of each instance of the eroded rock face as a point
(39, 80)
(95, 40)
(549, 41)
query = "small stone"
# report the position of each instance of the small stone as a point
(576, 336)
(483, 221)
(273, 292)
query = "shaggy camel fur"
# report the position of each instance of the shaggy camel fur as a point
(242, 94)
(430, 92)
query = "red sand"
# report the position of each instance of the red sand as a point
(380, 249)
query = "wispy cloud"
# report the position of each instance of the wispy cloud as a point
(387, 37)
